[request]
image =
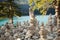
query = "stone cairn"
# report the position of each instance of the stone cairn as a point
(58, 35)
(33, 22)
(43, 33)
(50, 23)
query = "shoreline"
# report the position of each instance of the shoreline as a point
(21, 19)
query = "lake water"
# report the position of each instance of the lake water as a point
(40, 18)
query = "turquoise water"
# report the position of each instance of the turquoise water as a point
(40, 18)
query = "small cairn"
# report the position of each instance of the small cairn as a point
(58, 35)
(50, 23)
(43, 33)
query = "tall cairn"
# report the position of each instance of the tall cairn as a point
(32, 27)
(57, 12)
(32, 17)
(50, 24)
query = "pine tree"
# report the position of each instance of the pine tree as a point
(9, 9)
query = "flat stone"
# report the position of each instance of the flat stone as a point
(35, 37)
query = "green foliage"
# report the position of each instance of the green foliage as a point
(9, 9)
(41, 5)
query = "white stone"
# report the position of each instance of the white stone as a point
(18, 39)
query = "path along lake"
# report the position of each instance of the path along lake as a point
(21, 19)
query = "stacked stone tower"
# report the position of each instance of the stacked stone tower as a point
(43, 32)
(32, 27)
(50, 23)
(32, 17)
(57, 12)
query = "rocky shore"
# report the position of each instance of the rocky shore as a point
(27, 31)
